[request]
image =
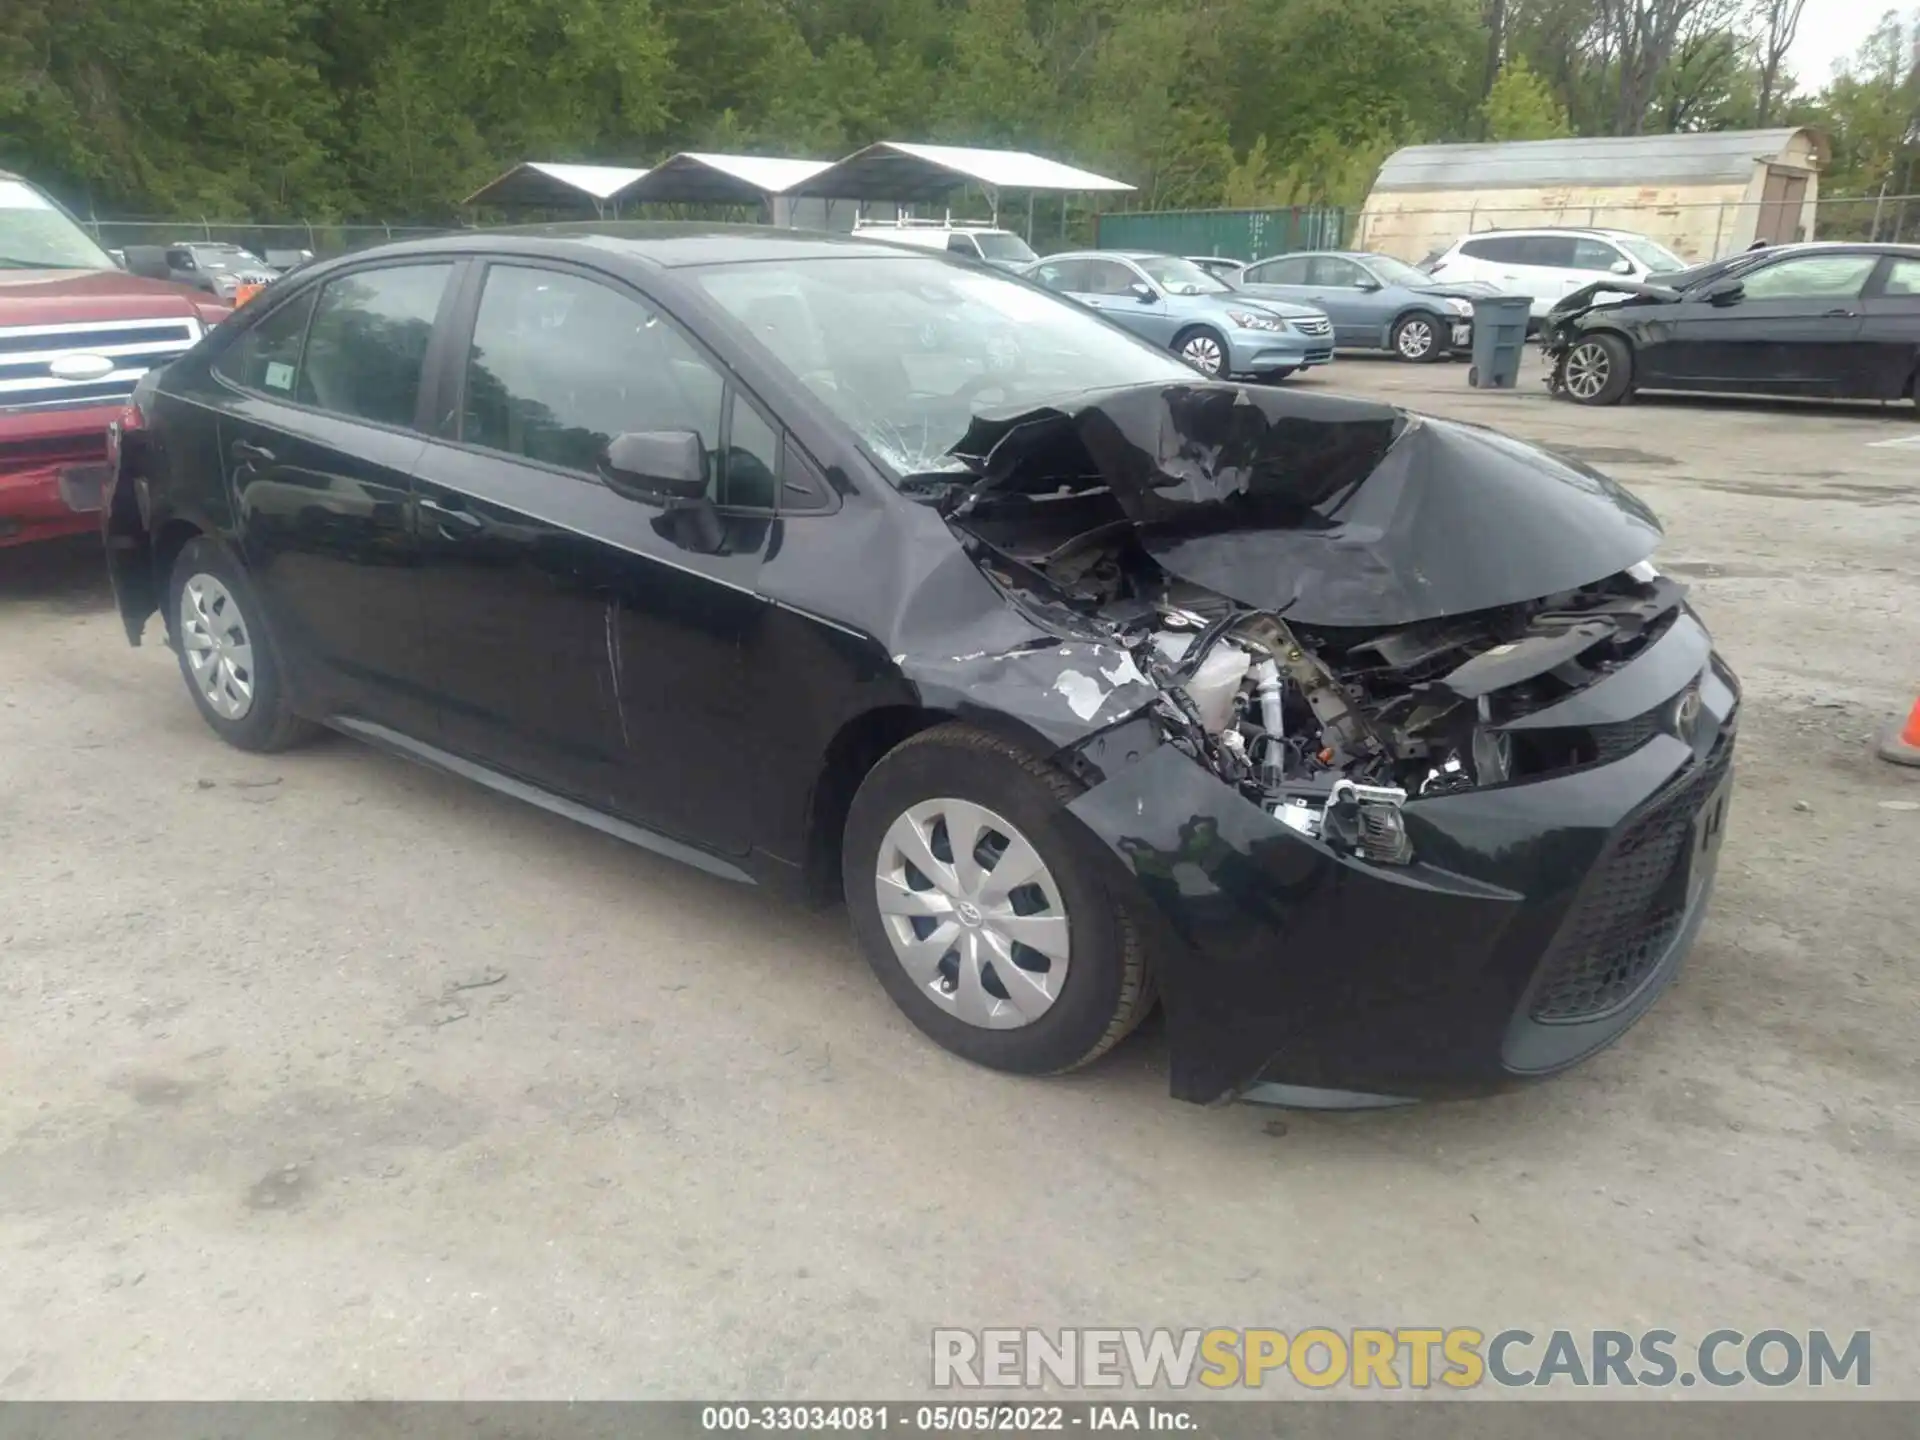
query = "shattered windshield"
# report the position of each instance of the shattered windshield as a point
(35, 235)
(907, 351)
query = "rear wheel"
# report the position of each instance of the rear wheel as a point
(1596, 370)
(1420, 337)
(218, 633)
(1205, 350)
(979, 904)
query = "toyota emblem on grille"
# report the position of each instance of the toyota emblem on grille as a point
(80, 367)
(1686, 714)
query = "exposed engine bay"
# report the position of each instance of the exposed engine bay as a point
(1327, 725)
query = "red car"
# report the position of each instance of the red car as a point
(76, 332)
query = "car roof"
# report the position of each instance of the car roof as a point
(659, 244)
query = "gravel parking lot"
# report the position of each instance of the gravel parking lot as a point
(325, 1076)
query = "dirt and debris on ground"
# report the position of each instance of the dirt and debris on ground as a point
(327, 1076)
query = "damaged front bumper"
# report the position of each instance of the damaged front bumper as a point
(1538, 920)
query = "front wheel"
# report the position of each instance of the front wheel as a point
(219, 635)
(1596, 370)
(1421, 338)
(1203, 349)
(979, 903)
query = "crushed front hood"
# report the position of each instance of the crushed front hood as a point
(1335, 512)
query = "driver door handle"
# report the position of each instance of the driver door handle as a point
(1842, 311)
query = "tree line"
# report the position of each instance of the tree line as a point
(395, 109)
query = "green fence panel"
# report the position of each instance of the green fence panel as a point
(1237, 234)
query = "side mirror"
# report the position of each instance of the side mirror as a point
(1142, 292)
(1727, 292)
(1621, 267)
(1369, 283)
(659, 467)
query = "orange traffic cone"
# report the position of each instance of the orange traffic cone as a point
(1901, 743)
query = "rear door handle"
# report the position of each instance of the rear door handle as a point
(452, 521)
(1841, 313)
(245, 452)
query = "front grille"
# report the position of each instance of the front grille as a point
(1622, 737)
(1632, 905)
(28, 354)
(1314, 325)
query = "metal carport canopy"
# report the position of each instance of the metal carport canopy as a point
(894, 170)
(698, 178)
(540, 182)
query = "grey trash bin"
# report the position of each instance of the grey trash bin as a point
(1499, 337)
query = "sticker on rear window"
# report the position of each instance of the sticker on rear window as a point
(279, 377)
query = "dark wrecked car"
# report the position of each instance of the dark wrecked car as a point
(1371, 746)
(1822, 321)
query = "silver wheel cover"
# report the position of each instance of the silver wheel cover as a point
(974, 915)
(1203, 352)
(1416, 339)
(215, 638)
(1589, 367)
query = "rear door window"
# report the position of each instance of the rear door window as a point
(267, 357)
(1903, 278)
(1550, 252)
(1500, 249)
(1278, 272)
(368, 340)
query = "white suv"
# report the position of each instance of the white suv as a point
(1001, 248)
(1548, 265)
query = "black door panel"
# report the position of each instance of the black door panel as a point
(572, 642)
(317, 442)
(1890, 331)
(1791, 331)
(587, 642)
(325, 533)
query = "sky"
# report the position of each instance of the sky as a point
(1832, 30)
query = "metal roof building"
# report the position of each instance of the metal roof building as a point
(793, 191)
(1703, 194)
(548, 183)
(1712, 157)
(896, 171)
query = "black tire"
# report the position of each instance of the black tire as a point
(1275, 377)
(1208, 334)
(1597, 369)
(1109, 986)
(1407, 343)
(267, 724)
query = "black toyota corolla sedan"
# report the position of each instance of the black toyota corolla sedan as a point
(1371, 746)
